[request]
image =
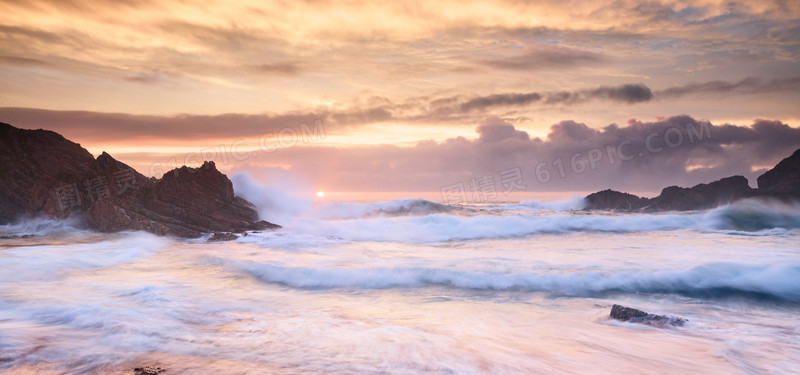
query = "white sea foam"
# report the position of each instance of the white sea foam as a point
(418, 220)
(711, 280)
(49, 262)
(572, 203)
(754, 215)
(442, 227)
(41, 227)
(313, 298)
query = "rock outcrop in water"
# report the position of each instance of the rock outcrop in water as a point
(628, 314)
(44, 174)
(781, 182)
(614, 200)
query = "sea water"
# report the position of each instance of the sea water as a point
(411, 287)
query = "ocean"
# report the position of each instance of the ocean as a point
(411, 287)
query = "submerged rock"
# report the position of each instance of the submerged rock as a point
(15, 236)
(628, 314)
(45, 174)
(223, 236)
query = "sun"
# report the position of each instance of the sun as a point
(320, 194)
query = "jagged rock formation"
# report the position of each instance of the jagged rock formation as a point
(45, 174)
(628, 314)
(614, 200)
(32, 164)
(781, 182)
(784, 179)
(701, 196)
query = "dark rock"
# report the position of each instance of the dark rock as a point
(15, 236)
(148, 370)
(615, 200)
(784, 179)
(627, 314)
(262, 225)
(45, 174)
(701, 196)
(35, 163)
(185, 202)
(223, 236)
(202, 197)
(781, 182)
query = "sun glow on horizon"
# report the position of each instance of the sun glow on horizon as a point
(320, 194)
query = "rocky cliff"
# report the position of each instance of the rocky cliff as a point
(781, 182)
(784, 179)
(44, 174)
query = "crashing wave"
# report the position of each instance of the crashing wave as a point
(755, 215)
(399, 207)
(713, 280)
(40, 227)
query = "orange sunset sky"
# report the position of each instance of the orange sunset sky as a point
(413, 96)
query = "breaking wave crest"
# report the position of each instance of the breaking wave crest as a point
(573, 203)
(419, 220)
(399, 207)
(747, 218)
(40, 227)
(712, 280)
(442, 227)
(755, 215)
(275, 204)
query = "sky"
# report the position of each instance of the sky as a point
(415, 96)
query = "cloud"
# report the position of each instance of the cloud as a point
(636, 156)
(569, 130)
(634, 93)
(225, 56)
(113, 127)
(22, 61)
(641, 156)
(282, 68)
(419, 110)
(545, 57)
(626, 93)
(749, 85)
(511, 99)
(149, 77)
(456, 110)
(495, 129)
